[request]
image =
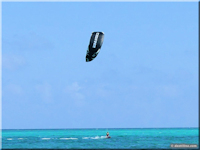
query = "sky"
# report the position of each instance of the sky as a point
(145, 75)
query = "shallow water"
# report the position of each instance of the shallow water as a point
(95, 138)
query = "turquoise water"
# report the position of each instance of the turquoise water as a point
(95, 138)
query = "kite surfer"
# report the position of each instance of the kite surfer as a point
(107, 135)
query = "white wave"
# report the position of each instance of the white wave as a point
(9, 139)
(68, 138)
(20, 138)
(73, 138)
(103, 137)
(96, 137)
(46, 138)
(86, 138)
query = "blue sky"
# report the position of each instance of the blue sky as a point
(145, 76)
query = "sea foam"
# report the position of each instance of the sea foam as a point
(9, 139)
(46, 138)
(68, 138)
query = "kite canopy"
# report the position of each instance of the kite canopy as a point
(95, 44)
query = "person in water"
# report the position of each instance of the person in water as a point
(107, 134)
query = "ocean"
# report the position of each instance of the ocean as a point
(141, 138)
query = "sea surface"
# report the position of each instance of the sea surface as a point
(141, 138)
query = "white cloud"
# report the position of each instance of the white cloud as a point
(12, 62)
(14, 89)
(74, 91)
(74, 87)
(104, 90)
(169, 90)
(28, 42)
(45, 91)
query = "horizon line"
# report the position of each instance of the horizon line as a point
(100, 128)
